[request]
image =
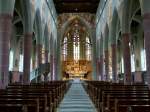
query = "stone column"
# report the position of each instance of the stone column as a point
(46, 56)
(39, 54)
(59, 61)
(97, 67)
(51, 66)
(146, 25)
(27, 56)
(101, 67)
(54, 68)
(46, 62)
(15, 72)
(107, 65)
(114, 62)
(93, 32)
(34, 57)
(15, 76)
(127, 58)
(5, 34)
(137, 51)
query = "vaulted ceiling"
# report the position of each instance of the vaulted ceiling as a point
(76, 6)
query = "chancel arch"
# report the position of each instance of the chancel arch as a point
(76, 51)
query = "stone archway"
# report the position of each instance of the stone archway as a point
(75, 35)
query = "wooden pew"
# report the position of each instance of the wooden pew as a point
(19, 105)
(109, 102)
(56, 92)
(43, 105)
(132, 105)
(105, 94)
(48, 94)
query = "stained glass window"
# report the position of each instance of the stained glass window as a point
(132, 63)
(143, 60)
(76, 45)
(11, 60)
(21, 63)
(88, 49)
(64, 49)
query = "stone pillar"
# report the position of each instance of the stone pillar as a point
(34, 57)
(51, 66)
(99, 75)
(107, 65)
(101, 67)
(33, 63)
(127, 58)
(146, 25)
(39, 54)
(46, 56)
(15, 76)
(16, 57)
(97, 67)
(27, 56)
(5, 34)
(54, 68)
(114, 62)
(137, 52)
(46, 62)
(59, 61)
(93, 31)
(46, 78)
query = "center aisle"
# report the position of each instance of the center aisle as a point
(76, 100)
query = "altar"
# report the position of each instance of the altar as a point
(77, 69)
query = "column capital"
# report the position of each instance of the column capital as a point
(27, 56)
(146, 15)
(146, 22)
(126, 34)
(28, 34)
(5, 34)
(126, 56)
(6, 15)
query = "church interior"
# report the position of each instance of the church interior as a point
(74, 55)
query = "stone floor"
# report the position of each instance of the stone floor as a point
(76, 100)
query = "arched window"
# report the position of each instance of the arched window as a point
(21, 63)
(88, 49)
(64, 48)
(143, 60)
(11, 56)
(76, 45)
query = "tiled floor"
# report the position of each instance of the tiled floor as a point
(76, 100)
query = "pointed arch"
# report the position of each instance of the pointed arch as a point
(27, 16)
(101, 45)
(106, 37)
(82, 21)
(38, 26)
(46, 38)
(51, 44)
(114, 25)
(126, 16)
